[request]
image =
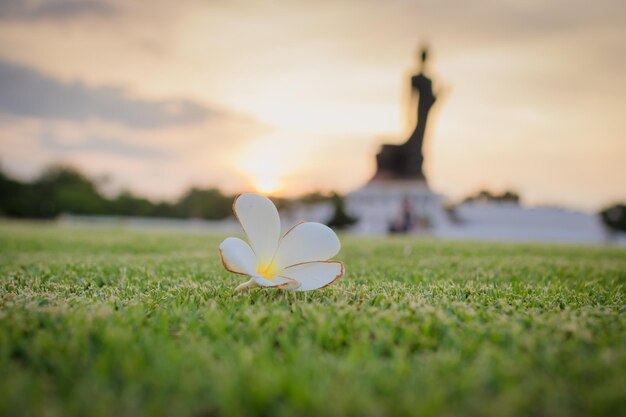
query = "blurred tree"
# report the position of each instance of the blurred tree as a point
(207, 203)
(165, 209)
(614, 217)
(316, 197)
(62, 189)
(126, 204)
(509, 196)
(16, 198)
(488, 196)
(340, 219)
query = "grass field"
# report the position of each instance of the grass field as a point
(116, 323)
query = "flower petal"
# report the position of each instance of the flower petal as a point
(237, 256)
(306, 242)
(276, 282)
(314, 275)
(259, 219)
(246, 285)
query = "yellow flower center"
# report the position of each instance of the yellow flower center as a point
(266, 269)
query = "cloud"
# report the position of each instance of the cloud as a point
(27, 92)
(53, 9)
(522, 79)
(114, 146)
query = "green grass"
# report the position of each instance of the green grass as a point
(116, 323)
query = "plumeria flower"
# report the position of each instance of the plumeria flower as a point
(296, 261)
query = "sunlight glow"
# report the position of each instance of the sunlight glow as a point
(311, 110)
(267, 185)
(268, 162)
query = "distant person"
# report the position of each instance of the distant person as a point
(406, 221)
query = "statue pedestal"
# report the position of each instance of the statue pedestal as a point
(380, 204)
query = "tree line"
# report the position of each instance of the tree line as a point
(65, 190)
(62, 189)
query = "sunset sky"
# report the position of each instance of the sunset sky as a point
(294, 96)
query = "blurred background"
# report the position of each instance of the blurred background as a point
(167, 109)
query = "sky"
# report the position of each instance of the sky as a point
(293, 96)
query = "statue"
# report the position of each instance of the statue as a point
(405, 161)
(398, 199)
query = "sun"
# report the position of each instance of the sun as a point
(266, 184)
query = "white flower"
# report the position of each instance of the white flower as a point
(297, 261)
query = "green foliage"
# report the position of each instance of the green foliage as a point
(119, 323)
(65, 190)
(128, 204)
(16, 198)
(58, 190)
(205, 204)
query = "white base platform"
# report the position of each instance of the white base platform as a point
(379, 203)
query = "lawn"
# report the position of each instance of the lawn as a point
(103, 322)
